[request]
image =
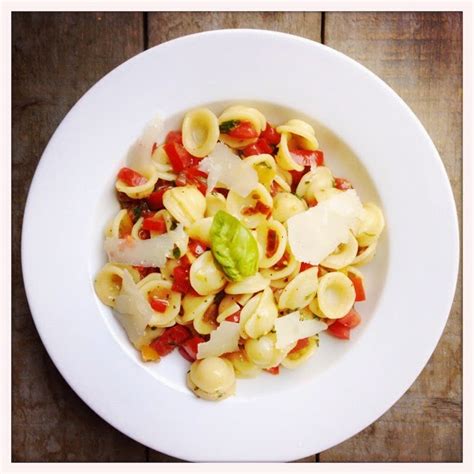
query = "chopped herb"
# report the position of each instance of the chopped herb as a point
(308, 296)
(228, 126)
(173, 225)
(176, 252)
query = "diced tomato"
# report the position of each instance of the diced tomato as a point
(351, 319)
(339, 330)
(181, 281)
(301, 344)
(243, 130)
(157, 225)
(179, 157)
(272, 243)
(274, 370)
(321, 272)
(155, 199)
(189, 348)
(131, 177)
(159, 304)
(174, 137)
(358, 286)
(193, 176)
(308, 157)
(197, 248)
(260, 147)
(172, 337)
(305, 266)
(271, 136)
(234, 318)
(296, 178)
(342, 183)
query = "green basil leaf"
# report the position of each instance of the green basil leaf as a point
(229, 125)
(233, 246)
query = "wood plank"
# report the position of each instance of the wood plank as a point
(56, 58)
(164, 26)
(420, 56)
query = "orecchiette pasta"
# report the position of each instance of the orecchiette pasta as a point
(206, 254)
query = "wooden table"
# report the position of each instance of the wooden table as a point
(58, 56)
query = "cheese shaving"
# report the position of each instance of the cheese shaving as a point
(290, 329)
(316, 233)
(139, 155)
(145, 253)
(134, 312)
(225, 167)
(223, 340)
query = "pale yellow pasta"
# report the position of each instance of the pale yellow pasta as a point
(243, 114)
(326, 193)
(193, 307)
(142, 190)
(265, 167)
(372, 225)
(281, 283)
(162, 290)
(212, 378)
(200, 230)
(258, 315)
(284, 267)
(214, 202)
(272, 239)
(155, 276)
(297, 358)
(251, 284)
(253, 209)
(343, 256)
(263, 353)
(365, 255)
(286, 205)
(120, 225)
(162, 214)
(168, 268)
(315, 309)
(163, 165)
(243, 367)
(205, 323)
(185, 203)
(228, 311)
(281, 183)
(336, 295)
(200, 132)
(230, 300)
(151, 333)
(108, 282)
(205, 276)
(300, 291)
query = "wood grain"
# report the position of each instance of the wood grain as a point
(420, 56)
(56, 58)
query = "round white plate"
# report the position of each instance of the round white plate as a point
(369, 135)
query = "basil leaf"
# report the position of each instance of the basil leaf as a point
(229, 125)
(233, 246)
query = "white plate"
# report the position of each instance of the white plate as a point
(369, 135)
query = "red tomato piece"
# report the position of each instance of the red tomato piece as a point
(358, 286)
(270, 134)
(189, 348)
(244, 130)
(308, 157)
(197, 248)
(155, 199)
(193, 176)
(159, 304)
(296, 178)
(339, 330)
(351, 319)
(342, 184)
(179, 157)
(158, 225)
(174, 137)
(305, 266)
(301, 344)
(274, 370)
(172, 337)
(131, 177)
(234, 318)
(181, 281)
(260, 147)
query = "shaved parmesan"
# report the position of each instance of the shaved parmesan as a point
(224, 339)
(225, 167)
(139, 155)
(317, 232)
(291, 328)
(134, 312)
(145, 253)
